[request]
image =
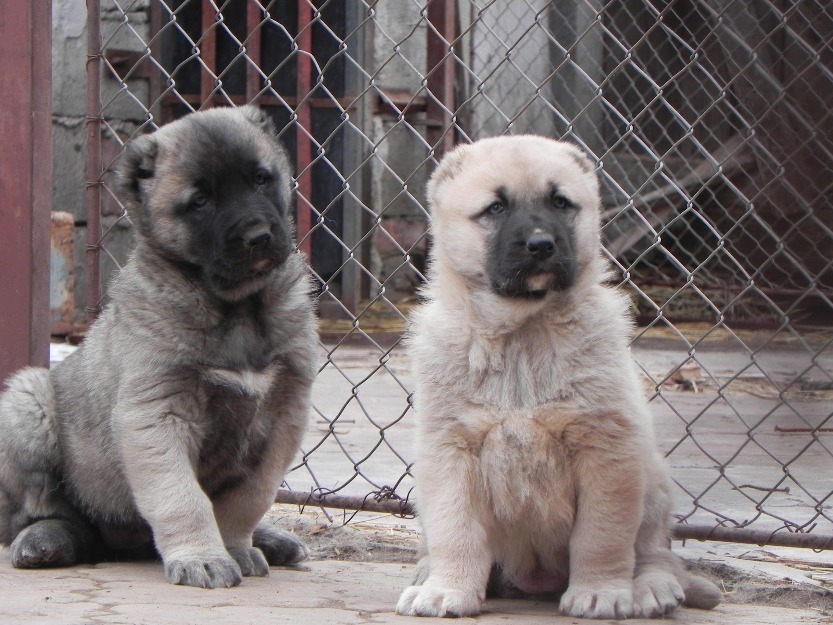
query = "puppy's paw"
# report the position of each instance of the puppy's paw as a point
(611, 599)
(655, 594)
(701, 593)
(279, 548)
(203, 572)
(47, 543)
(250, 560)
(433, 601)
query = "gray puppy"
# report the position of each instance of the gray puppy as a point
(173, 424)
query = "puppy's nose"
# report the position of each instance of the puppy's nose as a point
(540, 246)
(257, 237)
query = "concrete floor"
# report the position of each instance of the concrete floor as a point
(321, 592)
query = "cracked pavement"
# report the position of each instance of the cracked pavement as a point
(319, 591)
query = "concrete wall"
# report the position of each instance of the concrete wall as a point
(69, 116)
(69, 110)
(402, 162)
(510, 61)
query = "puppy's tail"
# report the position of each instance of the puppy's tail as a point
(27, 413)
(700, 592)
(30, 454)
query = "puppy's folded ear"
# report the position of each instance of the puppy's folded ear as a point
(586, 164)
(582, 159)
(137, 163)
(448, 169)
(258, 117)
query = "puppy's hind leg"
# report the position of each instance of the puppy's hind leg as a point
(657, 589)
(278, 547)
(661, 582)
(36, 520)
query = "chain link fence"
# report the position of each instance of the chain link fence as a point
(711, 125)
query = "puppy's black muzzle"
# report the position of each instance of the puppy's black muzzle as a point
(531, 251)
(251, 240)
(254, 239)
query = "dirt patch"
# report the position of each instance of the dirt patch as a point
(384, 538)
(744, 588)
(362, 538)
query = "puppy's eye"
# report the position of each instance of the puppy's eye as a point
(495, 208)
(200, 200)
(560, 202)
(262, 177)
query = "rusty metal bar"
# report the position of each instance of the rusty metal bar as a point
(26, 163)
(303, 114)
(403, 507)
(369, 503)
(40, 168)
(208, 53)
(749, 536)
(442, 15)
(253, 20)
(93, 159)
(153, 74)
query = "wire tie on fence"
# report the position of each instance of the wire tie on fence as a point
(784, 430)
(786, 489)
(359, 508)
(317, 501)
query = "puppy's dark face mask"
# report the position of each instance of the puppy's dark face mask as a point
(237, 221)
(531, 243)
(211, 194)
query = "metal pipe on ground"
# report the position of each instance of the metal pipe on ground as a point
(375, 502)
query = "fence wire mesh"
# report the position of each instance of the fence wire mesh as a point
(711, 124)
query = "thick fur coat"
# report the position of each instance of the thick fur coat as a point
(535, 447)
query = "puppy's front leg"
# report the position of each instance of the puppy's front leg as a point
(159, 451)
(253, 543)
(239, 510)
(611, 491)
(458, 551)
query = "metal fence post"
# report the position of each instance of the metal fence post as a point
(442, 17)
(93, 158)
(25, 183)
